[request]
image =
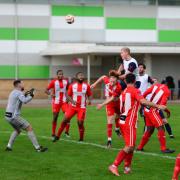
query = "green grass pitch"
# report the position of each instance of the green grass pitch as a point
(71, 160)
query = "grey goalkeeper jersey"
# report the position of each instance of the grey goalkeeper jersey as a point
(15, 101)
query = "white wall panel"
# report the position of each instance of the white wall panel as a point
(80, 23)
(169, 12)
(131, 36)
(33, 10)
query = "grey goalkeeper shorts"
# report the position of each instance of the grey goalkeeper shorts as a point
(18, 123)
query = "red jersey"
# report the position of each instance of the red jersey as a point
(111, 90)
(158, 94)
(79, 93)
(129, 104)
(59, 88)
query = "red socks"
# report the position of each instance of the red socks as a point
(176, 168)
(67, 127)
(120, 157)
(147, 135)
(81, 132)
(128, 160)
(54, 125)
(109, 131)
(144, 139)
(162, 139)
(60, 130)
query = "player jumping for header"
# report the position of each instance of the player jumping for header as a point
(129, 64)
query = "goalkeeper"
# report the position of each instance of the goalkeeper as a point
(12, 115)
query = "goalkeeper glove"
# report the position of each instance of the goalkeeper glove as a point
(30, 92)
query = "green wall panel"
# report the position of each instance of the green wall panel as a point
(24, 34)
(33, 34)
(169, 36)
(77, 10)
(130, 23)
(33, 72)
(7, 71)
(7, 33)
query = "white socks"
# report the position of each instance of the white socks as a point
(12, 139)
(33, 139)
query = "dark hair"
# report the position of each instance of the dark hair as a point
(78, 73)
(170, 82)
(163, 81)
(130, 78)
(16, 82)
(113, 73)
(59, 71)
(142, 64)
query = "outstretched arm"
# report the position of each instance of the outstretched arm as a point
(107, 101)
(97, 82)
(145, 102)
(25, 99)
(151, 104)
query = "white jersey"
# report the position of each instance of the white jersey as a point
(131, 66)
(15, 100)
(145, 82)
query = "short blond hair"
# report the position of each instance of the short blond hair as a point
(126, 49)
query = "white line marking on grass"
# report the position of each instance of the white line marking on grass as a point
(101, 146)
(116, 149)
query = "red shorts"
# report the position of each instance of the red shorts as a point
(153, 118)
(112, 109)
(129, 134)
(71, 111)
(57, 107)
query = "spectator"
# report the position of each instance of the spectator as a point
(171, 85)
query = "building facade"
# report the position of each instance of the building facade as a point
(31, 30)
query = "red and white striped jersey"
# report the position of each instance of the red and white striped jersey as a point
(111, 90)
(59, 88)
(129, 105)
(158, 94)
(79, 93)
